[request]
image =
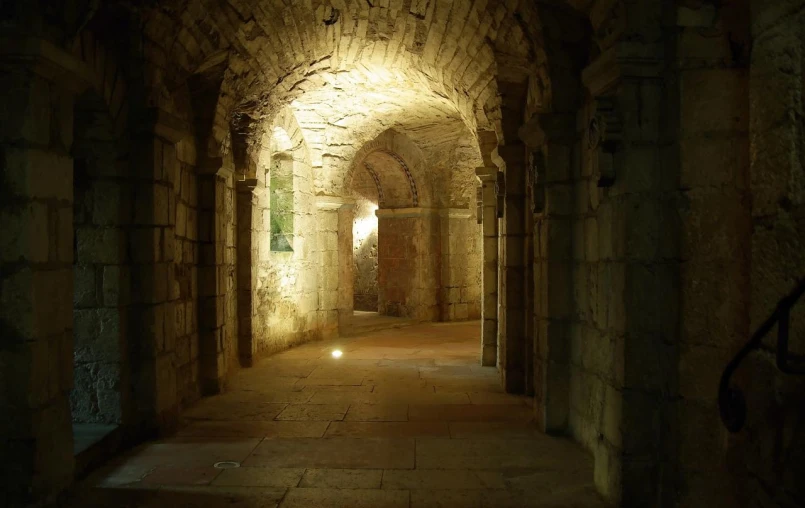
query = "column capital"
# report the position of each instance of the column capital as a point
(249, 186)
(457, 213)
(213, 166)
(405, 213)
(333, 203)
(487, 174)
(625, 59)
(164, 125)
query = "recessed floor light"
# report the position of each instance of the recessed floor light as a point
(226, 465)
(337, 353)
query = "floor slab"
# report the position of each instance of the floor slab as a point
(405, 418)
(336, 452)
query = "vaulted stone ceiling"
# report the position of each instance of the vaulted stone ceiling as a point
(278, 51)
(344, 110)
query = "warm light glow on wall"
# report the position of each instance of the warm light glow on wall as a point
(364, 227)
(280, 140)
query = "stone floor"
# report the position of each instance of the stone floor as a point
(363, 322)
(404, 418)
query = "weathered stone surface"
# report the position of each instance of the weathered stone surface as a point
(671, 226)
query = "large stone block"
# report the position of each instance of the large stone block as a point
(18, 309)
(116, 285)
(61, 235)
(607, 474)
(651, 298)
(714, 100)
(100, 245)
(97, 335)
(181, 219)
(27, 106)
(727, 160)
(111, 204)
(149, 283)
(25, 233)
(38, 174)
(650, 365)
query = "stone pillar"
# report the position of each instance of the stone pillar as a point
(460, 265)
(489, 305)
(36, 273)
(334, 218)
(346, 266)
(212, 275)
(511, 311)
(152, 323)
(552, 137)
(246, 259)
(641, 211)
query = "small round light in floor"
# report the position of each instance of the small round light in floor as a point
(337, 353)
(226, 465)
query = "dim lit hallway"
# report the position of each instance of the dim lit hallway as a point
(611, 190)
(404, 417)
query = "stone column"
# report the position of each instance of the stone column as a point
(346, 266)
(211, 276)
(511, 311)
(460, 265)
(639, 235)
(553, 137)
(489, 305)
(246, 258)
(334, 218)
(152, 318)
(36, 272)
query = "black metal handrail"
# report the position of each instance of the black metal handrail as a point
(731, 400)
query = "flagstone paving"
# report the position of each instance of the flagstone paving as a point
(404, 418)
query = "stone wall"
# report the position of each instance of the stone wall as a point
(286, 282)
(767, 457)
(36, 287)
(230, 303)
(712, 121)
(184, 289)
(364, 236)
(101, 209)
(409, 258)
(597, 321)
(460, 265)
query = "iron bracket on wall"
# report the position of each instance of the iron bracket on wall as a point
(731, 400)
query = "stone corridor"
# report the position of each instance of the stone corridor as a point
(404, 418)
(515, 219)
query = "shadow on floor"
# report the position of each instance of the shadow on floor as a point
(363, 322)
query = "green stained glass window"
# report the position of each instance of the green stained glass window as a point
(282, 212)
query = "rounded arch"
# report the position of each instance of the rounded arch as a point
(408, 158)
(446, 49)
(281, 135)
